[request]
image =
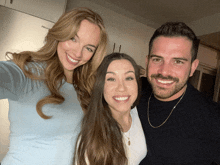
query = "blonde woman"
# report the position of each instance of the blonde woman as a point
(49, 89)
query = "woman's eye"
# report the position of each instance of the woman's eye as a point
(129, 78)
(90, 50)
(73, 39)
(110, 79)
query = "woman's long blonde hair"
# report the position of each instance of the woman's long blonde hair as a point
(83, 77)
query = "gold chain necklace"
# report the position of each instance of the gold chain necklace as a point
(168, 115)
(128, 137)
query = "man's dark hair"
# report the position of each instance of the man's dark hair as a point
(177, 29)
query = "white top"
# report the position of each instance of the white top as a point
(137, 150)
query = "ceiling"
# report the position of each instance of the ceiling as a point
(156, 12)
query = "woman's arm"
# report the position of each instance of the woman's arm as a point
(12, 80)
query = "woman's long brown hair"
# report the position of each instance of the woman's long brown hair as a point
(100, 140)
(53, 73)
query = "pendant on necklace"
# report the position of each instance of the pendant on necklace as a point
(129, 142)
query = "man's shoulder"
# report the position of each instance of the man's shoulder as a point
(198, 96)
(145, 94)
(145, 85)
(197, 99)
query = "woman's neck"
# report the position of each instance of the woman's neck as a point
(69, 76)
(124, 120)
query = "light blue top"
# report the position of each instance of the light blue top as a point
(34, 140)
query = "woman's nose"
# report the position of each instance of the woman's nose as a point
(78, 52)
(121, 86)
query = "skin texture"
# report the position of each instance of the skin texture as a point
(169, 67)
(120, 90)
(79, 50)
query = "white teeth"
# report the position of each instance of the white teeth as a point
(165, 82)
(121, 98)
(71, 59)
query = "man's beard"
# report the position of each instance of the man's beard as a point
(165, 93)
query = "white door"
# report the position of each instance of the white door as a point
(2, 2)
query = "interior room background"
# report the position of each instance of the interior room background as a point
(126, 34)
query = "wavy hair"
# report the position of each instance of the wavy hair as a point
(100, 140)
(83, 76)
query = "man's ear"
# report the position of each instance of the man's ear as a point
(146, 60)
(194, 65)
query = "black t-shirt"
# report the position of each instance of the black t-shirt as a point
(190, 136)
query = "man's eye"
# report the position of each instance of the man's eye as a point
(179, 62)
(156, 59)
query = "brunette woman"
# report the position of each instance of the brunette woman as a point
(111, 130)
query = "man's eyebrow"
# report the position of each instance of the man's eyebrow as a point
(180, 58)
(153, 55)
(176, 58)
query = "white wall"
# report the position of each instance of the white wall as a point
(132, 35)
(4, 125)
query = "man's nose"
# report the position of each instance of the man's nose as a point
(165, 69)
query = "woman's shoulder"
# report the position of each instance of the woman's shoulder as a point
(14, 83)
(32, 66)
(10, 69)
(134, 113)
(36, 67)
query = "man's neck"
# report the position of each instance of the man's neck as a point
(173, 97)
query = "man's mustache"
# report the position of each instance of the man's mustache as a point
(165, 78)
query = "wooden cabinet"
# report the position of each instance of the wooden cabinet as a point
(217, 83)
(49, 10)
(207, 76)
(204, 79)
